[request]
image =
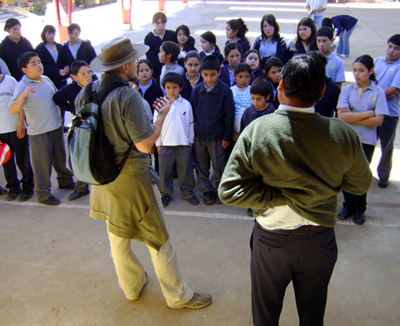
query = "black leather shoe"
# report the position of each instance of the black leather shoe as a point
(165, 201)
(359, 218)
(345, 213)
(51, 201)
(13, 194)
(383, 183)
(3, 191)
(26, 194)
(208, 198)
(193, 200)
(76, 195)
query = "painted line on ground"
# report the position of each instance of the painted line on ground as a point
(268, 9)
(258, 19)
(221, 216)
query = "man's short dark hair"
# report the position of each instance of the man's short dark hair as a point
(325, 31)
(74, 26)
(76, 65)
(24, 59)
(304, 79)
(320, 56)
(210, 62)
(172, 77)
(395, 39)
(260, 87)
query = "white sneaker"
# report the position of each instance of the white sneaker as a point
(198, 301)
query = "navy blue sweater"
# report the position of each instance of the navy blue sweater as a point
(214, 112)
(152, 93)
(189, 46)
(65, 97)
(251, 114)
(10, 51)
(281, 50)
(217, 53)
(243, 43)
(85, 52)
(52, 68)
(343, 22)
(258, 73)
(187, 87)
(327, 105)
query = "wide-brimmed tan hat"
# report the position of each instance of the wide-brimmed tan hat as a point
(116, 53)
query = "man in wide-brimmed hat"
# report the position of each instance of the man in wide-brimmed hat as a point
(131, 205)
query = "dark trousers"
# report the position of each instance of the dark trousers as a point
(47, 150)
(358, 203)
(204, 151)
(20, 154)
(276, 259)
(182, 156)
(387, 136)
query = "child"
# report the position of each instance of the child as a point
(169, 53)
(65, 99)
(260, 93)
(236, 31)
(175, 143)
(148, 87)
(305, 39)
(185, 41)
(362, 105)
(209, 45)
(12, 132)
(241, 95)
(34, 95)
(154, 40)
(77, 49)
(213, 107)
(192, 76)
(252, 58)
(335, 66)
(273, 68)
(233, 53)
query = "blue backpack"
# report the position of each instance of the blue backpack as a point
(91, 156)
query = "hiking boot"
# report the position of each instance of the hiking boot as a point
(198, 301)
(208, 197)
(165, 201)
(3, 191)
(77, 194)
(26, 194)
(193, 200)
(359, 218)
(13, 194)
(51, 201)
(345, 213)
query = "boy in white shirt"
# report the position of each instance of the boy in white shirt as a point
(175, 143)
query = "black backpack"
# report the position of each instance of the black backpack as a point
(91, 156)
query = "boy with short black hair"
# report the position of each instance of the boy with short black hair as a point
(335, 67)
(34, 95)
(214, 111)
(175, 143)
(65, 99)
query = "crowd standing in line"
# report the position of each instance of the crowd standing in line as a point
(211, 99)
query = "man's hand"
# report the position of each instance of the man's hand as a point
(162, 105)
(225, 144)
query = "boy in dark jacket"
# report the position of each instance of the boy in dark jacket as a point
(214, 111)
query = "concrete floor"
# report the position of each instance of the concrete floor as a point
(55, 264)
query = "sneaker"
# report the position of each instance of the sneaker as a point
(383, 183)
(51, 201)
(217, 200)
(165, 200)
(343, 56)
(26, 194)
(345, 213)
(3, 191)
(193, 200)
(13, 194)
(208, 197)
(77, 194)
(198, 301)
(70, 186)
(250, 212)
(359, 218)
(145, 283)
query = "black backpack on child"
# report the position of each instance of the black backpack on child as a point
(91, 156)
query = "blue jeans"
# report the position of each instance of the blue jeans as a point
(344, 44)
(318, 21)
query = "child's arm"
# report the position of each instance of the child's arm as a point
(191, 125)
(16, 106)
(21, 132)
(350, 117)
(229, 108)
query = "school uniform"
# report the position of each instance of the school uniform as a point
(251, 114)
(19, 147)
(273, 95)
(53, 61)
(357, 100)
(242, 99)
(154, 42)
(188, 87)
(65, 97)
(165, 70)
(176, 135)
(82, 50)
(151, 92)
(189, 46)
(45, 135)
(388, 75)
(258, 72)
(295, 48)
(3, 68)
(244, 43)
(274, 48)
(327, 105)
(227, 76)
(215, 52)
(335, 68)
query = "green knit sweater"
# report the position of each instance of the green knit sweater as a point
(297, 159)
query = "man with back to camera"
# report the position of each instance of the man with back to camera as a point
(131, 204)
(289, 167)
